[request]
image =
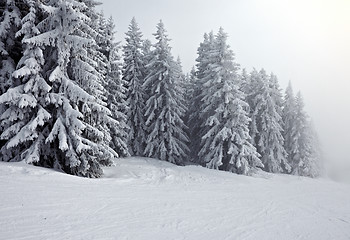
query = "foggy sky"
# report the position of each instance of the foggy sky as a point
(304, 41)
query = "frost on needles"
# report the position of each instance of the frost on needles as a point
(164, 107)
(74, 99)
(225, 135)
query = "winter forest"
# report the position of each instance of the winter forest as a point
(74, 99)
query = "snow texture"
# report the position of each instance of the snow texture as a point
(146, 199)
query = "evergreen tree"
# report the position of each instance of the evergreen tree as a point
(11, 12)
(25, 117)
(196, 119)
(134, 74)
(314, 166)
(190, 81)
(246, 85)
(147, 56)
(290, 129)
(102, 40)
(226, 145)
(83, 69)
(10, 46)
(146, 50)
(164, 108)
(305, 161)
(116, 92)
(108, 66)
(71, 148)
(266, 126)
(183, 83)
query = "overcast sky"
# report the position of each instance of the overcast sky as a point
(305, 41)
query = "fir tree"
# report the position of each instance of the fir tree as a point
(191, 81)
(11, 12)
(306, 160)
(314, 167)
(184, 85)
(290, 133)
(84, 69)
(196, 119)
(71, 148)
(266, 127)
(25, 117)
(164, 108)
(10, 46)
(226, 145)
(147, 56)
(245, 85)
(134, 74)
(116, 91)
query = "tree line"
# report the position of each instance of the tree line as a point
(74, 99)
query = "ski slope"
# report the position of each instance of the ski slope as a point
(147, 199)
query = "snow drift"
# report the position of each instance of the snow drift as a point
(142, 198)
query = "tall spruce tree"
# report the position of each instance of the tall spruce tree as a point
(71, 147)
(306, 160)
(164, 107)
(134, 74)
(190, 83)
(146, 59)
(314, 166)
(245, 83)
(196, 119)
(266, 127)
(183, 86)
(84, 69)
(116, 92)
(290, 133)
(11, 12)
(226, 145)
(26, 118)
(10, 46)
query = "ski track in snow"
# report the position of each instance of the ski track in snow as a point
(147, 199)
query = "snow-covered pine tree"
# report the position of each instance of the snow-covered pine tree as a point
(183, 84)
(266, 125)
(116, 92)
(146, 50)
(290, 133)
(134, 75)
(101, 39)
(26, 118)
(226, 145)
(203, 50)
(305, 161)
(250, 86)
(189, 87)
(191, 80)
(164, 107)
(83, 68)
(196, 119)
(183, 89)
(10, 46)
(70, 149)
(146, 59)
(314, 167)
(245, 83)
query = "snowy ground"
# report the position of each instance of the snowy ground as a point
(149, 199)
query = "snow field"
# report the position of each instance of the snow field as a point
(142, 198)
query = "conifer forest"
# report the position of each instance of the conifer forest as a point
(74, 99)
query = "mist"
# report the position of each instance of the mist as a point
(305, 42)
